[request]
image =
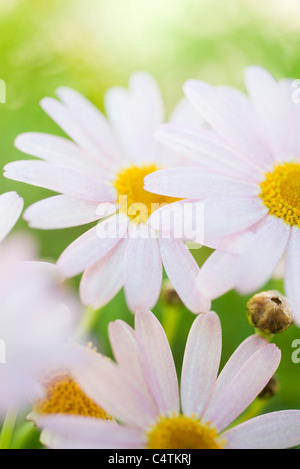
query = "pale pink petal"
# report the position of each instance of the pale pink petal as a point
(208, 150)
(226, 121)
(11, 206)
(103, 280)
(197, 183)
(217, 276)
(262, 254)
(157, 362)
(76, 432)
(135, 115)
(72, 127)
(227, 216)
(277, 430)
(244, 386)
(290, 89)
(292, 273)
(185, 220)
(93, 122)
(19, 247)
(92, 245)
(143, 268)
(180, 220)
(58, 151)
(201, 363)
(185, 114)
(126, 352)
(273, 111)
(247, 348)
(59, 179)
(63, 211)
(183, 271)
(108, 386)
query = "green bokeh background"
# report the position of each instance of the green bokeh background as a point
(94, 44)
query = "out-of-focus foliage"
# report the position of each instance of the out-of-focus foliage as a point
(94, 44)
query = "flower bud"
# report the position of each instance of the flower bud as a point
(270, 390)
(169, 294)
(270, 312)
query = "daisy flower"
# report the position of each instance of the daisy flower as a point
(100, 175)
(36, 323)
(141, 392)
(11, 206)
(249, 180)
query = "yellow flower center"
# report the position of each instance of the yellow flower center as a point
(180, 432)
(280, 192)
(133, 200)
(64, 396)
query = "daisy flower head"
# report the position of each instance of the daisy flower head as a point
(249, 181)
(100, 175)
(36, 324)
(141, 391)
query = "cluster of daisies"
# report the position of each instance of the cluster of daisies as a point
(224, 172)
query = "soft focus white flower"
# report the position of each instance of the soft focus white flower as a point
(18, 247)
(11, 206)
(108, 160)
(36, 323)
(249, 180)
(142, 392)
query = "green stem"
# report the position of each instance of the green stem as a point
(23, 434)
(86, 323)
(8, 428)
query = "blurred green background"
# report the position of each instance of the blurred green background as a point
(94, 44)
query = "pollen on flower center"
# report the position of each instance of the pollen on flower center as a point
(280, 192)
(181, 432)
(133, 200)
(64, 396)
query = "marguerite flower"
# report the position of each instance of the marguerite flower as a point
(101, 174)
(250, 180)
(11, 206)
(141, 392)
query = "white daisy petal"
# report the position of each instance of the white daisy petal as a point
(247, 348)
(57, 150)
(197, 183)
(63, 211)
(183, 271)
(104, 279)
(225, 120)
(227, 216)
(277, 430)
(11, 206)
(75, 432)
(127, 353)
(262, 254)
(157, 362)
(135, 115)
(93, 122)
(274, 112)
(109, 387)
(71, 126)
(59, 179)
(217, 276)
(244, 387)
(143, 268)
(92, 245)
(201, 363)
(292, 273)
(208, 150)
